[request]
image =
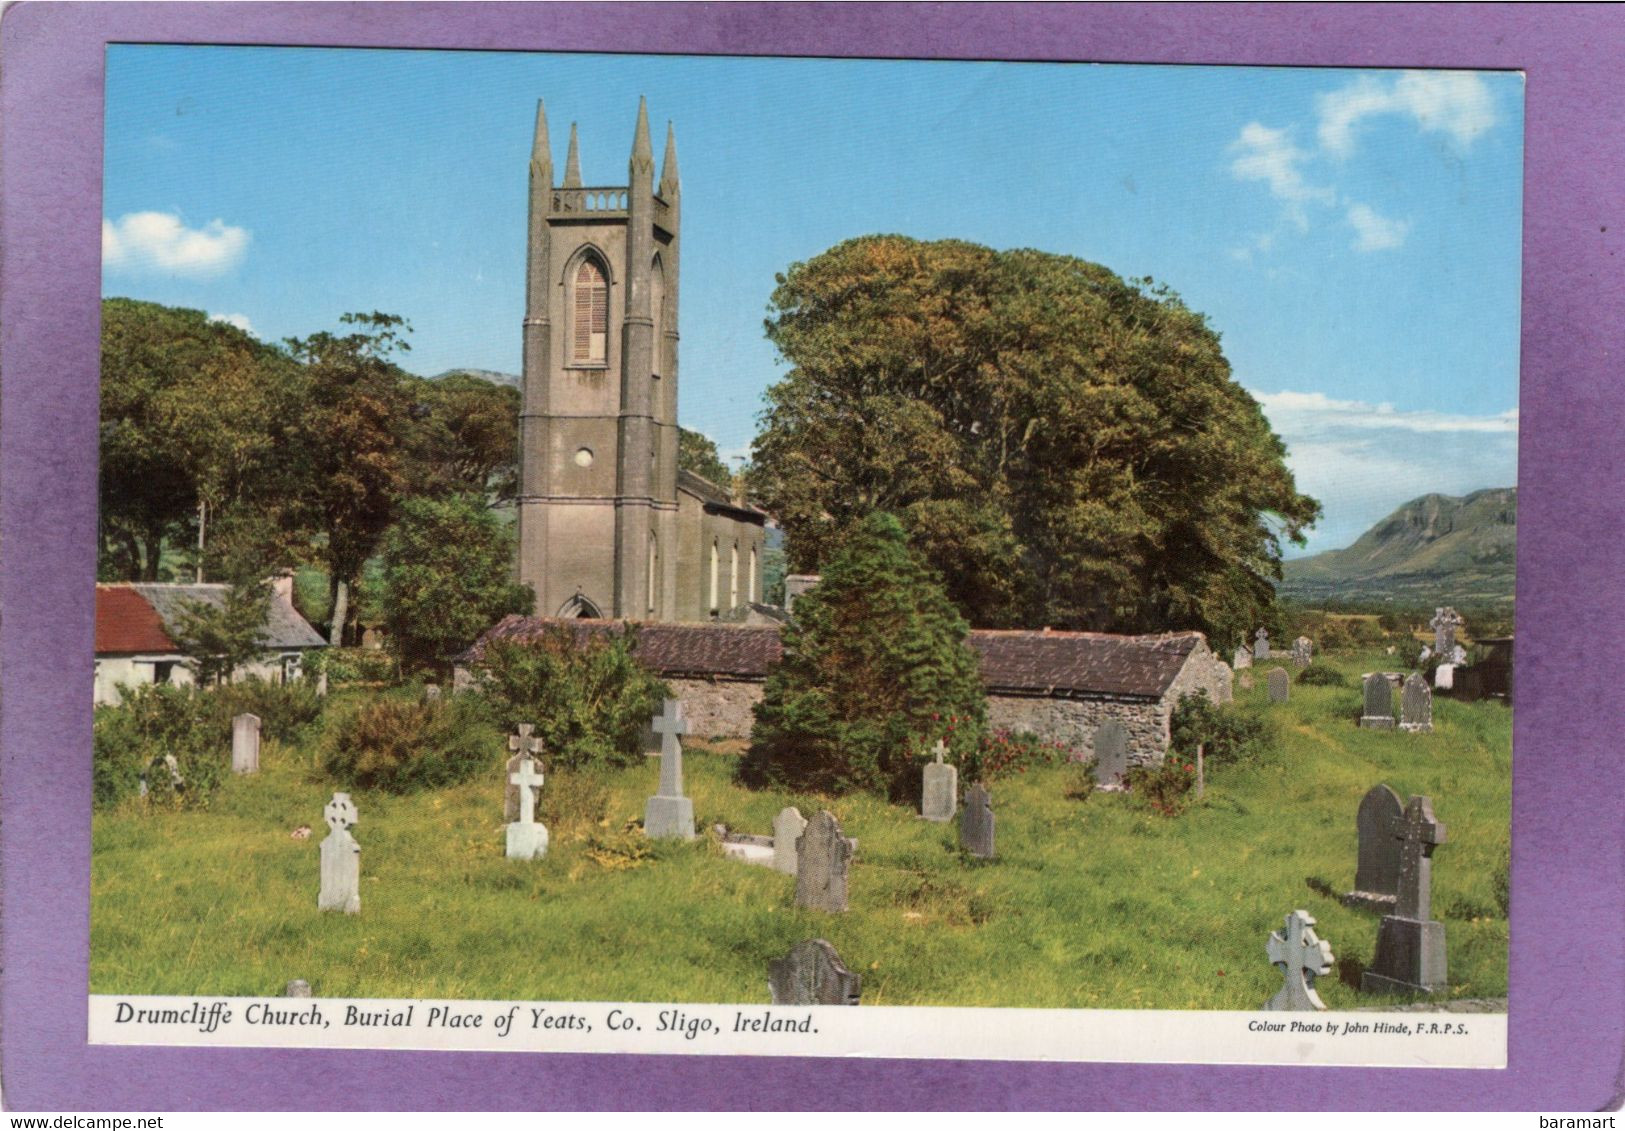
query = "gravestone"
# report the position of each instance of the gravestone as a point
(1302, 956)
(1410, 954)
(1425, 655)
(321, 685)
(297, 988)
(1261, 645)
(1303, 651)
(245, 744)
(1376, 875)
(787, 829)
(1242, 659)
(1280, 685)
(1378, 713)
(524, 745)
(823, 857)
(939, 795)
(1444, 677)
(1444, 624)
(1245, 680)
(668, 813)
(1111, 754)
(431, 693)
(177, 783)
(341, 859)
(812, 974)
(1415, 704)
(976, 825)
(527, 837)
(1458, 655)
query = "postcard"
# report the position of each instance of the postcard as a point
(798, 557)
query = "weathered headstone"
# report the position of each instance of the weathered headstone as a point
(976, 824)
(823, 857)
(245, 744)
(1458, 655)
(524, 745)
(297, 988)
(1444, 677)
(812, 974)
(1378, 713)
(341, 859)
(1424, 655)
(1111, 754)
(321, 685)
(787, 829)
(1415, 704)
(1444, 624)
(431, 692)
(939, 794)
(1242, 659)
(1376, 874)
(1410, 954)
(668, 813)
(1302, 956)
(527, 837)
(1280, 685)
(177, 783)
(1245, 680)
(1303, 651)
(1261, 645)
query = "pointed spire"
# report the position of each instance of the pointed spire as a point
(541, 150)
(572, 162)
(670, 185)
(643, 156)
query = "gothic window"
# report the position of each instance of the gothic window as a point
(733, 578)
(715, 557)
(589, 338)
(654, 569)
(657, 279)
(750, 578)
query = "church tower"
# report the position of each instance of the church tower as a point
(598, 420)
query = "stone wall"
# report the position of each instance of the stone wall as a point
(1072, 722)
(1205, 672)
(718, 708)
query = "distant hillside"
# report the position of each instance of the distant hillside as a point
(1433, 550)
(488, 374)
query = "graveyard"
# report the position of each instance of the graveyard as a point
(1089, 899)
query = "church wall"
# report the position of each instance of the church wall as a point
(580, 553)
(690, 562)
(718, 708)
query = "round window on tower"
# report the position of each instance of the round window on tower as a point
(583, 457)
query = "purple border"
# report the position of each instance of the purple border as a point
(1568, 950)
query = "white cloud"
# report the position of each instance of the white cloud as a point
(1457, 103)
(161, 242)
(1364, 460)
(1269, 155)
(238, 320)
(1376, 233)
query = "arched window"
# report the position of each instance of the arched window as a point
(750, 578)
(733, 578)
(589, 337)
(654, 570)
(580, 608)
(715, 558)
(657, 307)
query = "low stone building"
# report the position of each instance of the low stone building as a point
(134, 643)
(1058, 685)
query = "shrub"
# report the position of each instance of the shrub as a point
(1319, 675)
(590, 701)
(371, 666)
(875, 657)
(401, 745)
(1166, 788)
(285, 710)
(1003, 753)
(1228, 734)
(148, 723)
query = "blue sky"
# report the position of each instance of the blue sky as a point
(1352, 235)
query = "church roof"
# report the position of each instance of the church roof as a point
(715, 497)
(1065, 664)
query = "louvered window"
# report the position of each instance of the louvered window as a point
(590, 337)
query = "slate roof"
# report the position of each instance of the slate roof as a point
(123, 627)
(715, 497)
(1071, 664)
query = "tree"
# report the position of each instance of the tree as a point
(218, 639)
(1065, 447)
(447, 577)
(459, 437)
(876, 657)
(697, 452)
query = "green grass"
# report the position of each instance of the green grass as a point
(1090, 904)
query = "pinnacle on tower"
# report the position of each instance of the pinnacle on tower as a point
(572, 162)
(643, 157)
(670, 185)
(541, 150)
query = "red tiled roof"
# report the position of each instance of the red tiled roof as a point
(1023, 663)
(125, 622)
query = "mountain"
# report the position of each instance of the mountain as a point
(1434, 550)
(490, 375)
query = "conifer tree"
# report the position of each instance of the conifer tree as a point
(875, 666)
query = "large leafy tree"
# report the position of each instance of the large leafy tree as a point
(447, 577)
(874, 664)
(1065, 446)
(460, 437)
(697, 452)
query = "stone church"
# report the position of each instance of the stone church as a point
(609, 526)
